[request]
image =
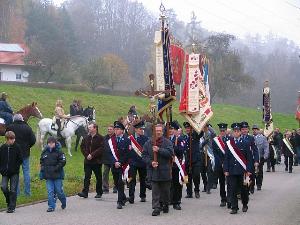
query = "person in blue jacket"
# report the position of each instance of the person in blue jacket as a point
(6, 111)
(235, 172)
(136, 163)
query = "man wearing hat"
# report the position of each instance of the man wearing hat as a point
(6, 111)
(179, 147)
(136, 162)
(255, 158)
(237, 166)
(262, 145)
(193, 160)
(119, 145)
(219, 148)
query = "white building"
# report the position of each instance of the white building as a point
(12, 63)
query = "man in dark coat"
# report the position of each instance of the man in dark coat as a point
(135, 161)
(158, 157)
(120, 144)
(288, 151)
(6, 111)
(25, 138)
(255, 157)
(219, 147)
(179, 148)
(193, 160)
(92, 148)
(10, 161)
(238, 164)
(277, 140)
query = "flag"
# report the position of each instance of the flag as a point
(267, 115)
(194, 103)
(298, 108)
(177, 62)
(164, 79)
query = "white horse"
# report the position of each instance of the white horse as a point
(72, 124)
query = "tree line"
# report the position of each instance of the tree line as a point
(109, 44)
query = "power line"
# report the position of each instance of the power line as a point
(292, 5)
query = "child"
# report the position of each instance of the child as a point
(10, 161)
(52, 162)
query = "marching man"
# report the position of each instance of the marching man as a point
(237, 168)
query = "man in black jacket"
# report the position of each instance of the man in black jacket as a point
(92, 148)
(25, 138)
(10, 161)
(160, 170)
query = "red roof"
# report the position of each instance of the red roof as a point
(13, 54)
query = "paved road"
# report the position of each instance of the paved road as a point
(277, 204)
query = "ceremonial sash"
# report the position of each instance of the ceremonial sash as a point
(220, 144)
(183, 178)
(275, 152)
(136, 146)
(112, 142)
(211, 157)
(288, 145)
(237, 153)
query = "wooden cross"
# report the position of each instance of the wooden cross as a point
(152, 95)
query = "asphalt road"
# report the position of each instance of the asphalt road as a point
(277, 204)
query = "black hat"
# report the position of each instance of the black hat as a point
(236, 126)
(222, 126)
(51, 139)
(244, 124)
(174, 125)
(186, 124)
(138, 124)
(118, 124)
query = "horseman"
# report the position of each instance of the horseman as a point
(59, 116)
(76, 108)
(6, 111)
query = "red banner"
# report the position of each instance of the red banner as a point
(298, 108)
(177, 62)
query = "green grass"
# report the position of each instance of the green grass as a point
(108, 109)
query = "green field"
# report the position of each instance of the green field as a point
(108, 109)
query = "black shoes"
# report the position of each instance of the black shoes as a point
(290, 171)
(143, 199)
(119, 206)
(259, 188)
(208, 192)
(156, 212)
(165, 209)
(177, 207)
(228, 205)
(11, 210)
(130, 200)
(233, 211)
(50, 210)
(245, 208)
(63, 206)
(214, 186)
(98, 196)
(189, 196)
(223, 204)
(268, 170)
(273, 169)
(197, 194)
(82, 195)
(286, 169)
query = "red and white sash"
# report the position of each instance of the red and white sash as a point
(236, 152)
(288, 145)
(220, 144)
(136, 146)
(112, 142)
(183, 178)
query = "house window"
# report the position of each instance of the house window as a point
(18, 76)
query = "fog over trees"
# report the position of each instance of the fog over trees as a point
(109, 43)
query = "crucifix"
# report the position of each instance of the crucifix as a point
(153, 96)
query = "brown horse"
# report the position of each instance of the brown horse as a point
(26, 112)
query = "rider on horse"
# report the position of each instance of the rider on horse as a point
(59, 116)
(76, 108)
(6, 111)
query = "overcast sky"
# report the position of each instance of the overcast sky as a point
(238, 17)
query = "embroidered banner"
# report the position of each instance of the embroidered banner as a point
(267, 116)
(177, 62)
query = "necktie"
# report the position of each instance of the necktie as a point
(118, 139)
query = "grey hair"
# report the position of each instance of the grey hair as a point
(18, 117)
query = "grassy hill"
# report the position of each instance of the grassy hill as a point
(108, 109)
